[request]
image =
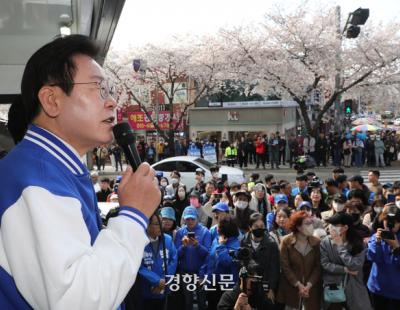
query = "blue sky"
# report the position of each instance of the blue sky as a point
(154, 21)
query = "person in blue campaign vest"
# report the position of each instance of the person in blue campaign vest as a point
(384, 252)
(193, 243)
(220, 263)
(152, 273)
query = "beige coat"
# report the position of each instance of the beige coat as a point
(296, 267)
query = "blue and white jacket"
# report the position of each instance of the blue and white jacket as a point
(152, 268)
(53, 253)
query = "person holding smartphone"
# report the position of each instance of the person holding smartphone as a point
(193, 242)
(384, 252)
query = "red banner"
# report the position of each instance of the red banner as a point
(139, 120)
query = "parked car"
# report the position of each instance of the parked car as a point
(396, 122)
(187, 166)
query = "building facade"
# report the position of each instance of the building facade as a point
(230, 120)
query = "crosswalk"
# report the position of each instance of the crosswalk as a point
(387, 176)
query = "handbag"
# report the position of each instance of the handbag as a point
(334, 295)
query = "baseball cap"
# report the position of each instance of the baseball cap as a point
(281, 198)
(200, 171)
(159, 174)
(168, 212)
(339, 198)
(221, 207)
(243, 193)
(357, 178)
(387, 185)
(304, 205)
(194, 194)
(340, 218)
(190, 213)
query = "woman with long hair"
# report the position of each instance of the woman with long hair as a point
(342, 261)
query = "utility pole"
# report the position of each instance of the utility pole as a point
(338, 110)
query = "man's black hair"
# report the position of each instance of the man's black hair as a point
(376, 173)
(337, 170)
(268, 178)
(331, 182)
(228, 227)
(341, 178)
(52, 64)
(302, 177)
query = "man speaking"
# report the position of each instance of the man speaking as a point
(53, 253)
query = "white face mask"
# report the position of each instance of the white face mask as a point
(378, 209)
(241, 205)
(338, 207)
(175, 181)
(164, 183)
(308, 230)
(398, 204)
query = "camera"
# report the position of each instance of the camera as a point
(242, 257)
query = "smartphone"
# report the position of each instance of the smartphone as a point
(391, 198)
(191, 235)
(388, 235)
(224, 178)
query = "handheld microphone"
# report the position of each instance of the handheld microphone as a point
(125, 138)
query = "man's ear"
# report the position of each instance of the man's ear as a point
(49, 100)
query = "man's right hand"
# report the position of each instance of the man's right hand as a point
(140, 190)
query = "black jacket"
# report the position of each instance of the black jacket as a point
(267, 256)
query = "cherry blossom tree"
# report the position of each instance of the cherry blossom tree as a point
(189, 67)
(300, 51)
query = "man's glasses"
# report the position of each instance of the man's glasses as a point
(105, 89)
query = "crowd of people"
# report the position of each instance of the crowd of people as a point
(348, 150)
(329, 244)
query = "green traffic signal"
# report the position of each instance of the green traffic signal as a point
(348, 110)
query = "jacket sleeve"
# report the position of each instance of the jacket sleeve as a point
(149, 276)
(173, 259)
(326, 264)
(375, 252)
(53, 260)
(353, 263)
(223, 257)
(285, 265)
(204, 247)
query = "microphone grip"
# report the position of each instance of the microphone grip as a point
(132, 156)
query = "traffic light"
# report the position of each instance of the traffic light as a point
(356, 18)
(352, 32)
(348, 107)
(359, 17)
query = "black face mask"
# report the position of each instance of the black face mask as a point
(356, 217)
(258, 233)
